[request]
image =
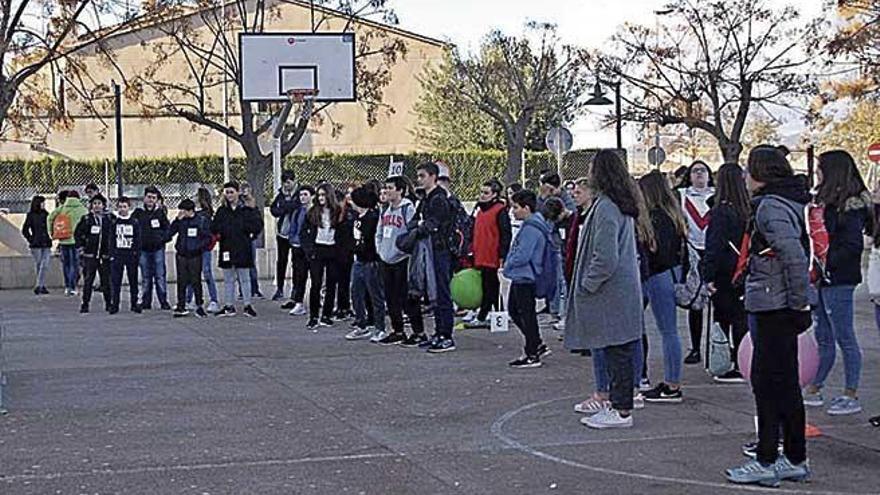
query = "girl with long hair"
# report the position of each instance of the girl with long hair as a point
(729, 218)
(36, 231)
(848, 215)
(694, 202)
(249, 200)
(605, 307)
(320, 241)
(205, 211)
(669, 228)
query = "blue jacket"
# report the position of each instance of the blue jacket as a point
(296, 226)
(193, 236)
(845, 228)
(527, 251)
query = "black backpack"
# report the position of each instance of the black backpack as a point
(459, 238)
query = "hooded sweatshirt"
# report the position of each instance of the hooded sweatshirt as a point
(74, 209)
(126, 237)
(527, 252)
(392, 224)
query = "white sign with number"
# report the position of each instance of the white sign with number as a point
(499, 321)
(395, 169)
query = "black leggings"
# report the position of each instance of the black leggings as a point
(695, 324)
(491, 290)
(318, 267)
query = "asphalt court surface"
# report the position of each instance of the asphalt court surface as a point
(154, 405)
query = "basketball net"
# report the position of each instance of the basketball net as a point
(305, 98)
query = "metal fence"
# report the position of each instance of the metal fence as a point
(179, 178)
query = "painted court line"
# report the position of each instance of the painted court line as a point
(497, 429)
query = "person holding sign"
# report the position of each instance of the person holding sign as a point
(237, 225)
(125, 244)
(153, 220)
(320, 242)
(193, 238)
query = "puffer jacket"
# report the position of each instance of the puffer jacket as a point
(778, 270)
(845, 227)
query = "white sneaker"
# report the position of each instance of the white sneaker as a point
(638, 401)
(73, 292)
(213, 307)
(359, 334)
(591, 405)
(471, 316)
(377, 335)
(298, 310)
(559, 326)
(607, 418)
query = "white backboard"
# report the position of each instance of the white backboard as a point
(273, 63)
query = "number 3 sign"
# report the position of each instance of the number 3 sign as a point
(499, 321)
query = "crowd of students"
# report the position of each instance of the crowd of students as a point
(597, 251)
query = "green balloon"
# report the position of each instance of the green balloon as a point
(467, 289)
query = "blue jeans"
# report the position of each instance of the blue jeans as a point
(443, 314)
(208, 275)
(41, 262)
(600, 367)
(834, 322)
(153, 271)
(366, 281)
(255, 280)
(70, 265)
(557, 304)
(660, 290)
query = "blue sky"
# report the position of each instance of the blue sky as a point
(583, 22)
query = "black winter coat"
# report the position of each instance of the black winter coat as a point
(92, 239)
(283, 207)
(36, 231)
(669, 244)
(845, 242)
(237, 228)
(364, 232)
(310, 232)
(154, 228)
(725, 232)
(436, 215)
(193, 236)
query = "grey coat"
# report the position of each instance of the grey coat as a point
(605, 295)
(780, 281)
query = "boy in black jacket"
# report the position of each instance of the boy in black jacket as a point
(92, 236)
(153, 220)
(125, 244)
(193, 238)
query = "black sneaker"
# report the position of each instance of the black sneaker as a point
(357, 324)
(326, 321)
(526, 362)
(429, 342)
(113, 310)
(180, 312)
(662, 393)
(693, 357)
(37, 291)
(313, 323)
(44, 291)
(146, 307)
(136, 309)
(278, 296)
(258, 295)
(200, 312)
(288, 305)
(342, 315)
(544, 351)
(732, 376)
(443, 344)
(413, 340)
(165, 307)
(249, 311)
(83, 309)
(751, 449)
(227, 311)
(393, 338)
(875, 421)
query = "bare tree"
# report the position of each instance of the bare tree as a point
(712, 63)
(197, 33)
(856, 44)
(513, 80)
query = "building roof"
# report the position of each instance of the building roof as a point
(148, 21)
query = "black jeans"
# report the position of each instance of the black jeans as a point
(398, 300)
(731, 316)
(321, 268)
(620, 372)
(777, 389)
(189, 274)
(522, 312)
(92, 267)
(491, 289)
(300, 274)
(129, 264)
(281, 263)
(343, 285)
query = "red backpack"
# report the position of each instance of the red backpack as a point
(815, 240)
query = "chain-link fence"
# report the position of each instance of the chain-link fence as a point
(179, 178)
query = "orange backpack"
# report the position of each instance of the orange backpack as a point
(62, 228)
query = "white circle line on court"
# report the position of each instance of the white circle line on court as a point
(497, 429)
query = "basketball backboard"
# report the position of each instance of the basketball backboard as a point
(272, 64)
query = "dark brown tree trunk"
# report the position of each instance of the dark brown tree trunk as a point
(516, 144)
(730, 151)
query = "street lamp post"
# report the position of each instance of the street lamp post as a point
(599, 99)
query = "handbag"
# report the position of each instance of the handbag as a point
(690, 290)
(874, 273)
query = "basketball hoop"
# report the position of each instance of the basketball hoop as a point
(304, 97)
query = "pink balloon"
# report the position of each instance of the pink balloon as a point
(808, 357)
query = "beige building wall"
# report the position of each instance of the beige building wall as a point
(164, 135)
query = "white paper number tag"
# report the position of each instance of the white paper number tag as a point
(325, 236)
(192, 232)
(387, 231)
(154, 223)
(96, 229)
(499, 321)
(226, 256)
(356, 233)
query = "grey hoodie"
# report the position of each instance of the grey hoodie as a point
(392, 224)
